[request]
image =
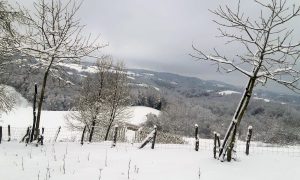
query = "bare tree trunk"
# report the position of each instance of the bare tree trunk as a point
(111, 120)
(114, 107)
(92, 130)
(82, 136)
(38, 118)
(241, 109)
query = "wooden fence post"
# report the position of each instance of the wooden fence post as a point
(0, 134)
(8, 128)
(82, 136)
(196, 138)
(249, 135)
(215, 145)
(218, 140)
(154, 137)
(41, 137)
(27, 139)
(115, 136)
(151, 136)
(33, 135)
(57, 133)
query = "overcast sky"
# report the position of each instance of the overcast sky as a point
(158, 34)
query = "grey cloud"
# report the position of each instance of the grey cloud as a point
(158, 34)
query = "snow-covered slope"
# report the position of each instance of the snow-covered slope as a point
(22, 116)
(138, 114)
(266, 100)
(228, 92)
(20, 101)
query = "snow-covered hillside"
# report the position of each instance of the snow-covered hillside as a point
(22, 116)
(138, 114)
(228, 92)
(71, 161)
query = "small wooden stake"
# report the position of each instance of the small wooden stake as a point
(218, 140)
(196, 138)
(8, 133)
(115, 136)
(215, 145)
(154, 137)
(0, 134)
(41, 137)
(57, 133)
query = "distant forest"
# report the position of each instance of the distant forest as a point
(184, 102)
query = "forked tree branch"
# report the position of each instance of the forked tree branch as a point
(272, 52)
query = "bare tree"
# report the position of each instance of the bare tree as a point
(53, 35)
(7, 16)
(271, 53)
(102, 100)
(119, 96)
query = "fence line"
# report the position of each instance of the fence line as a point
(65, 135)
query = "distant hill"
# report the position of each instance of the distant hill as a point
(60, 96)
(184, 101)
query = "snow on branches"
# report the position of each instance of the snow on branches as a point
(271, 52)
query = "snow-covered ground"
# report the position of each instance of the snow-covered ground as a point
(144, 86)
(71, 161)
(257, 98)
(21, 117)
(79, 67)
(139, 114)
(228, 92)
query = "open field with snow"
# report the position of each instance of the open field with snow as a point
(66, 160)
(71, 161)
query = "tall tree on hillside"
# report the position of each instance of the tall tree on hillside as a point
(102, 100)
(53, 35)
(271, 52)
(119, 97)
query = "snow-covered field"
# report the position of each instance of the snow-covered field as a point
(71, 161)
